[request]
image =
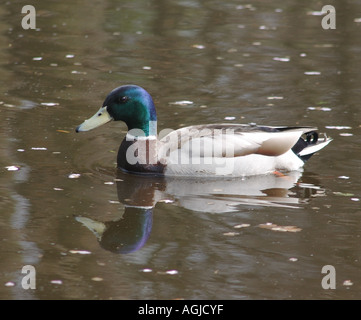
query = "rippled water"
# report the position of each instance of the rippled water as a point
(92, 232)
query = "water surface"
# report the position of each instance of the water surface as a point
(92, 232)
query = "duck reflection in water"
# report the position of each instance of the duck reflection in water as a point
(140, 194)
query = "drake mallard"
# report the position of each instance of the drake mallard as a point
(201, 150)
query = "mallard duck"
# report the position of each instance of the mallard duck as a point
(200, 150)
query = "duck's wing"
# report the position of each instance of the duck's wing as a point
(232, 140)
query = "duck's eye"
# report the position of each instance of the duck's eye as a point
(123, 99)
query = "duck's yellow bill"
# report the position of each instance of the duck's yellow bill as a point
(100, 118)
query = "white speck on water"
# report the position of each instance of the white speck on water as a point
(80, 251)
(312, 73)
(12, 168)
(38, 58)
(146, 270)
(343, 177)
(58, 189)
(56, 282)
(347, 283)
(285, 59)
(315, 13)
(293, 259)
(319, 108)
(242, 225)
(39, 148)
(109, 182)
(147, 68)
(357, 20)
(74, 175)
(182, 103)
(346, 134)
(338, 127)
(49, 104)
(171, 272)
(199, 46)
(231, 234)
(355, 199)
(9, 284)
(275, 98)
(78, 72)
(70, 56)
(20, 150)
(229, 118)
(97, 279)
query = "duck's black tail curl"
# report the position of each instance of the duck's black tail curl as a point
(308, 144)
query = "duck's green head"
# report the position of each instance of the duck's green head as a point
(129, 103)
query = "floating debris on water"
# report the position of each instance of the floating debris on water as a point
(78, 72)
(242, 225)
(38, 58)
(284, 59)
(147, 68)
(229, 118)
(39, 148)
(74, 175)
(199, 46)
(343, 194)
(109, 182)
(49, 104)
(275, 227)
(146, 270)
(97, 279)
(338, 127)
(319, 108)
(56, 282)
(171, 272)
(12, 168)
(80, 251)
(293, 259)
(347, 283)
(312, 73)
(9, 284)
(231, 234)
(181, 103)
(275, 98)
(70, 56)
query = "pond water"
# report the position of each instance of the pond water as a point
(92, 232)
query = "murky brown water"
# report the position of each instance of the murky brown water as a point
(269, 63)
